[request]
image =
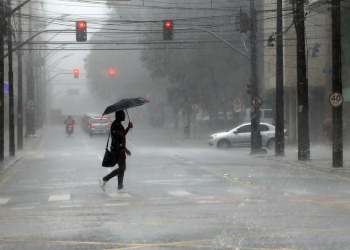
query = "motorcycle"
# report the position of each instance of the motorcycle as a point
(69, 129)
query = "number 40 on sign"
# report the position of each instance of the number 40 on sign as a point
(336, 99)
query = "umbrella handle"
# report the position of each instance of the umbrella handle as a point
(128, 116)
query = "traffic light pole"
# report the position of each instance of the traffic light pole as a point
(20, 88)
(2, 71)
(256, 143)
(302, 85)
(30, 118)
(337, 112)
(11, 94)
(279, 133)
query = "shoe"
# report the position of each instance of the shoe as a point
(120, 187)
(102, 184)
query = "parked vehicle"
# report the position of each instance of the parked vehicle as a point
(241, 136)
(99, 125)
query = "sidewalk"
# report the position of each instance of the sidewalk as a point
(28, 144)
(320, 154)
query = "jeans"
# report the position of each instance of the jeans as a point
(119, 171)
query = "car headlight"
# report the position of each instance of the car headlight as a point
(212, 137)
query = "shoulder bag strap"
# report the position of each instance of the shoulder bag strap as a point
(108, 140)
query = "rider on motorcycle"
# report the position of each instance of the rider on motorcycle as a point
(69, 121)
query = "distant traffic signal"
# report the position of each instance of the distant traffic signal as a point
(168, 29)
(111, 72)
(80, 31)
(76, 73)
(249, 89)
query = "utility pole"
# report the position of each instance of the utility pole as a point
(10, 76)
(337, 112)
(20, 86)
(2, 69)
(30, 125)
(302, 85)
(255, 116)
(279, 132)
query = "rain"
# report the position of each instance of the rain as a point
(184, 124)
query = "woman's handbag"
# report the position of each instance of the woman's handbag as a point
(109, 159)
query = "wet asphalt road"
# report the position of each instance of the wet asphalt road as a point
(176, 197)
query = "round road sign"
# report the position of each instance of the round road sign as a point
(336, 99)
(195, 107)
(256, 101)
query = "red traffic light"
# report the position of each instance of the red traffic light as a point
(168, 29)
(168, 24)
(80, 31)
(76, 73)
(147, 96)
(81, 24)
(111, 72)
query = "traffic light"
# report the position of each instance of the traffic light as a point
(168, 29)
(76, 73)
(80, 31)
(111, 72)
(249, 89)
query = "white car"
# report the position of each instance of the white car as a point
(241, 136)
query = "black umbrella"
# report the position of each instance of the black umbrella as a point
(125, 104)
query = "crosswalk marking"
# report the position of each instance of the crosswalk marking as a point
(3, 201)
(59, 197)
(180, 193)
(119, 195)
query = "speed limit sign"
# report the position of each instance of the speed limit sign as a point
(336, 99)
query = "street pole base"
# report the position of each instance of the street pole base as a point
(258, 151)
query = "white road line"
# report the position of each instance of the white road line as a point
(239, 191)
(299, 192)
(22, 208)
(27, 204)
(28, 181)
(66, 154)
(62, 170)
(59, 197)
(119, 195)
(117, 204)
(70, 206)
(3, 201)
(204, 202)
(180, 193)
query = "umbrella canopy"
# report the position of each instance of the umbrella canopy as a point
(125, 104)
